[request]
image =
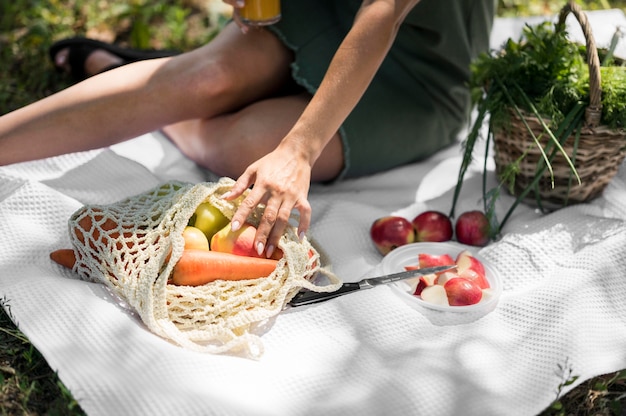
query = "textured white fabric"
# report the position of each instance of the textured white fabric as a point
(366, 353)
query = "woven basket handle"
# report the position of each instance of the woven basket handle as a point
(593, 113)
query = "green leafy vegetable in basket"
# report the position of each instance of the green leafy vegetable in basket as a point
(546, 70)
(555, 92)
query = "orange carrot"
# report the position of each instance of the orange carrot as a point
(65, 257)
(197, 267)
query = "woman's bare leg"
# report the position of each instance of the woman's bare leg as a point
(230, 72)
(228, 144)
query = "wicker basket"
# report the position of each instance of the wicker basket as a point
(597, 155)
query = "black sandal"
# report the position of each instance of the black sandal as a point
(80, 48)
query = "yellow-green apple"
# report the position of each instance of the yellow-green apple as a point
(432, 226)
(472, 228)
(462, 292)
(471, 268)
(195, 239)
(435, 294)
(390, 232)
(209, 219)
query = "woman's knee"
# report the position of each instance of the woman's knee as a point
(197, 84)
(229, 73)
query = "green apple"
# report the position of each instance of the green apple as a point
(209, 219)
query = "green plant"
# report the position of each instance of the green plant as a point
(28, 384)
(545, 76)
(602, 395)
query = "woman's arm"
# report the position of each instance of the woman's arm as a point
(350, 72)
(282, 178)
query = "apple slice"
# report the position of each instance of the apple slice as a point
(471, 268)
(462, 292)
(433, 260)
(479, 279)
(487, 295)
(413, 283)
(444, 277)
(435, 294)
(424, 281)
(466, 260)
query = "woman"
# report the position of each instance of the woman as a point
(378, 84)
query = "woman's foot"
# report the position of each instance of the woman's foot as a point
(97, 61)
(84, 57)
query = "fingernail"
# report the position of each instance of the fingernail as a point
(269, 251)
(240, 3)
(225, 195)
(234, 226)
(259, 248)
(301, 236)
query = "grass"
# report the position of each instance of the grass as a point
(28, 27)
(29, 386)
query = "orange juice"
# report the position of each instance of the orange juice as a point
(260, 12)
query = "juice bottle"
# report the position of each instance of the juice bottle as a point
(260, 12)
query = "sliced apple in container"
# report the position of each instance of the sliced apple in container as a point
(432, 260)
(435, 294)
(462, 292)
(471, 268)
(418, 284)
(444, 277)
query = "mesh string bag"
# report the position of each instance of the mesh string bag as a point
(132, 245)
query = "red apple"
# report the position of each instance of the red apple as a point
(432, 226)
(472, 228)
(462, 292)
(240, 242)
(391, 232)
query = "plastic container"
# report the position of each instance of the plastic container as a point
(407, 255)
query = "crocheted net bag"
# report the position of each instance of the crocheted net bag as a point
(132, 245)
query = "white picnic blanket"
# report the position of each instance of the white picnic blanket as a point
(561, 314)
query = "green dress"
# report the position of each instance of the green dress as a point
(418, 102)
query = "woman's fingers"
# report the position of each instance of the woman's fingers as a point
(238, 4)
(247, 205)
(279, 204)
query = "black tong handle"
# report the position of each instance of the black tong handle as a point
(307, 297)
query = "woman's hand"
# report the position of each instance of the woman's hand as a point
(238, 4)
(281, 181)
